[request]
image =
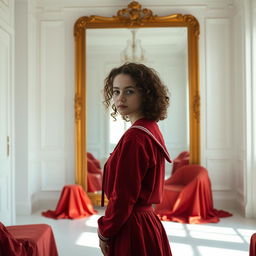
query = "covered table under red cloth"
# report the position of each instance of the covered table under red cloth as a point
(187, 197)
(73, 204)
(27, 240)
(253, 245)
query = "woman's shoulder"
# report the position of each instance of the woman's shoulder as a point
(136, 136)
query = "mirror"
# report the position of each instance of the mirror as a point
(171, 47)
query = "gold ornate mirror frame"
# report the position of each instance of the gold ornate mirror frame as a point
(133, 17)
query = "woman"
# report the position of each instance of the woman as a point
(134, 173)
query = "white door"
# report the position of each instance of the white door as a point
(6, 195)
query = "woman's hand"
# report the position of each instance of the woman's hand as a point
(104, 247)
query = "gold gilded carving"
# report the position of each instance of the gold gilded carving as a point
(196, 107)
(79, 26)
(78, 107)
(192, 22)
(134, 15)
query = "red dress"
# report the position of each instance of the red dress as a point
(133, 181)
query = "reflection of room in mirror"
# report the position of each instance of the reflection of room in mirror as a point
(165, 51)
(116, 130)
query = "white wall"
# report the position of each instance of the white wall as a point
(249, 67)
(7, 132)
(238, 104)
(51, 151)
(21, 106)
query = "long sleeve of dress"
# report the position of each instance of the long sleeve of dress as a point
(131, 166)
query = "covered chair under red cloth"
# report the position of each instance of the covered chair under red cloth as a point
(181, 160)
(27, 240)
(94, 174)
(253, 245)
(187, 197)
(73, 204)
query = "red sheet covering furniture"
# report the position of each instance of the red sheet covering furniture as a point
(94, 174)
(187, 197)
(181, 160)
(27, 240)
(73, 204)
(253, 245)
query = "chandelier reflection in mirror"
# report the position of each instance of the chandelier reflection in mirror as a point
(133, 51)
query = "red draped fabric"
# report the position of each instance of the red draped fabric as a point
(187, 197)
(95, 161)
(181, 160)
(253, 245)
(73, 204)
(27, 240)
(94, 174)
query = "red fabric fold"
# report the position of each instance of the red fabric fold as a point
(94, 174)
(9, 245)
(253, 245)
(29, 240)
(181, 160)
(187, 197)
(73, 204)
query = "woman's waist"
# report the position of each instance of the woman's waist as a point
(142, 207)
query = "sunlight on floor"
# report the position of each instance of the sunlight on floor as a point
(246, 233)
(182, 249)
(92, 221)
(209, 251)
(216, 237)
(88, 239)
(219, 239)
(174, 229)
(210, 229)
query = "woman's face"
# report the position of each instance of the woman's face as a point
(127, 97)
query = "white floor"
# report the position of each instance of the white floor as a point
(229, 237)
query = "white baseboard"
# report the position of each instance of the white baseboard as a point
(45, 200)
(224, 200)
(224, 204)
(229, 201)
(241, 207)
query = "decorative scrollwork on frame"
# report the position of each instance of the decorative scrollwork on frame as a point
(134, 15)
(78, 107)
(196, 107)
(191, 21)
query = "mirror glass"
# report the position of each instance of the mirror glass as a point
(165, 50)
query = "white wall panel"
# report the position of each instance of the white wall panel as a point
(218, 83)
(240, 177)
(239, 110)
(7, 156)
(53, 88)
(6, 12)
(53, 85)
(220, 174)
(53, 174)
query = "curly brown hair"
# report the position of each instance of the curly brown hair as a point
(154, 92)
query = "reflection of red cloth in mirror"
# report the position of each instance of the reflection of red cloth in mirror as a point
(34, 239)
(187, 197)
(253, 245)
(73, 204)
(94, 174)
(181, 160)
(95, 161)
